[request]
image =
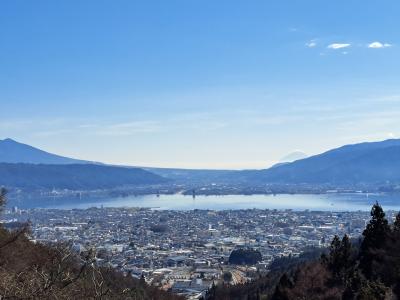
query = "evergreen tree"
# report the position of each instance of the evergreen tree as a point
(334, 259)
(346, 252)
(396, 224)
(375, 236)
(3, 193)
(142, 281)
(340, 258)
(280, 291)
(390, 266)
(258, 297)
(353, 285)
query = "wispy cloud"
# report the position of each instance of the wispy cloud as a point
(336, 46)
(129, 128)
(15, 124)
(378, 45)
(275, 120)
(391, 99)
(51, 133)
(33, 125)
(311, 44)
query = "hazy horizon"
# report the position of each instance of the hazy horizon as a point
(290, 157)
(198, 84)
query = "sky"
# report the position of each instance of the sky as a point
(198, 84)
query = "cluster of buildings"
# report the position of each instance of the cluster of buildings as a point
(187, 251)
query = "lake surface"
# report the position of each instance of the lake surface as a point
(325, 202)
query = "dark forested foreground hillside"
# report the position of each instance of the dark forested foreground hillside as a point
(34, 271)
(365, 269)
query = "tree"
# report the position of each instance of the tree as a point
(373, 290)
(7, 238)
(334, 259)
(285, 283)
(395, 249)
(245, 257)
(3, 193)
(142, 281)
(353, 285)
(36, 271)
(227, 276)
(340, 258)
(389, 267)
(375, 236)
(311, 283)
(346, 252)
(396, 224)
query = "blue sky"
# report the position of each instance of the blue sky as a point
(202, 84)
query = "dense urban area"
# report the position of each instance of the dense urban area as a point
(187, 252)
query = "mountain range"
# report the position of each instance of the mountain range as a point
(365, 163)
(291, 157)
(73, 176)
(26, 167)
(14, 152)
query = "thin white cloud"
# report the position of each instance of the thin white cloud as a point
(378, 45)
(393, 99)
(336, 46)
(129, 128)
(275, 120)
(311, 44)
(51, 133)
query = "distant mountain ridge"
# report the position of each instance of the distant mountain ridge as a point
(73, 176)
(372, 162)
(291, 157)
(14, 152)
(364, 163)
(26, 167)
(202, 176)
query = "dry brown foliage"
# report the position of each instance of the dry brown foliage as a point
(35, 271)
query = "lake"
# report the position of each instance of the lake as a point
(324, 202)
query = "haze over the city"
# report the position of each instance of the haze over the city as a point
(198, 84)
